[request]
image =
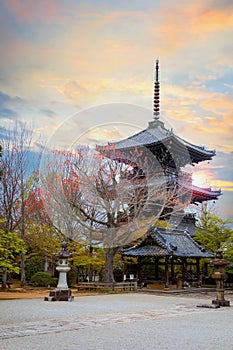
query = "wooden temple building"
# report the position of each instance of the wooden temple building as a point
(171, 254)
(168, 257)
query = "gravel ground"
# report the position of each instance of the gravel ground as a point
(117, 321)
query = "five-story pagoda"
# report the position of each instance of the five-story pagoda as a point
(174, 245)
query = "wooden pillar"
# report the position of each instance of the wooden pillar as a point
(166, 274)
(156, 269)
(184, 269)
(139, 268)
(172, 271)
(198, 272)
(205, 272)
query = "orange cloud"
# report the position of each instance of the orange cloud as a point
(101, 136)
(223, 184)
(209, 113)
(217, 103)
(87, 91)
(30, 11)
(73, 91)
(111, 15)
(102, 54)
(214, 19)
(205, 178)
(192, 25)
(178, 103)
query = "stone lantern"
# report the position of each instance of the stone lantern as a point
(220, 276)
(62, 291)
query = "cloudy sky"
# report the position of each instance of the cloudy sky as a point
(59, 57)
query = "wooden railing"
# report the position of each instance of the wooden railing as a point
(101, 286)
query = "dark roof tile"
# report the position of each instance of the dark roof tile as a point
(167, 242)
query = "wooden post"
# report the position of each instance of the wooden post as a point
(172, 271)
(166, 274)
(156, 269)
(139, 268)
(184, 268)
(198, 272)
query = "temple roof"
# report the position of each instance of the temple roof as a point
(157, 135)
(160, 242)
(200, 194)
(184, 222)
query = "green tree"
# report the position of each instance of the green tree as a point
(15, 163)
(0, 157)
(10, 248)
(214, 233)
(33, 265)
(89, 262)
(42, 240)
(41, 237)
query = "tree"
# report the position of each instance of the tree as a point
(106, 197)
(10, 247)
(89, 263)
(15, 162)
(214, 233)
(0, 157)
(41, 237)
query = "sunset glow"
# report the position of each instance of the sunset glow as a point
(60, 57)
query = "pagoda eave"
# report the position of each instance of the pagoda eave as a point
(200, 195)
(197, 198)
(168, 142)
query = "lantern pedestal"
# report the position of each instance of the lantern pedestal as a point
(59, 295)
(62, 292)
(221, 302)
(220, 277)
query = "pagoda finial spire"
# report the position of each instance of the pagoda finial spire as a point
(156, 91)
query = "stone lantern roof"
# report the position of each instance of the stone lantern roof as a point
(64, 253)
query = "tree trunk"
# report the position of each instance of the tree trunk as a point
(90, 270)
(90, 273)
(108, 270)
(22, 233)
(46, 264)
(22, 263)
(4, 277)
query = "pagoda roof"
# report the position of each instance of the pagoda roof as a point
(204, 194)
(201, 194)
(184, 222)
(160, 242)
(157, 135)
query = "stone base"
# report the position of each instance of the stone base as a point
(221, 302)
(59, 295)
(209, 306)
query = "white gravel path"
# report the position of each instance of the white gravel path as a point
(115, 322)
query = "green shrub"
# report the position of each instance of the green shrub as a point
(54, 282)
(41, 279)
(72, 276)
(33, 265)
